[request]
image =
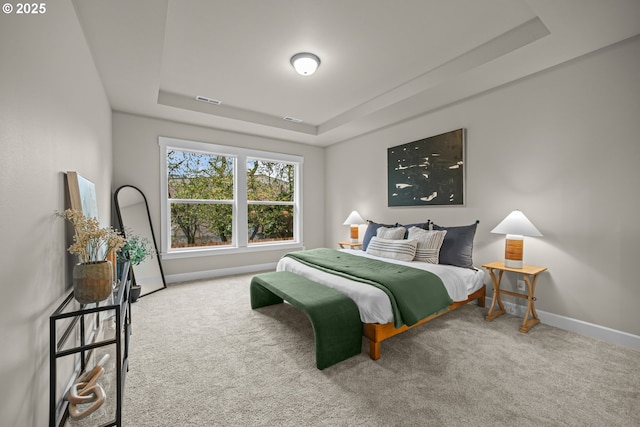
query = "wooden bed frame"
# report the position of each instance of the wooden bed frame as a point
(376, 332)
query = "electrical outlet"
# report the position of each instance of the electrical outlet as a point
(522, 286)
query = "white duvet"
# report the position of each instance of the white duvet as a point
(373, 303)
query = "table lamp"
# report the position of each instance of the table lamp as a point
(515, 226)
(354, 220)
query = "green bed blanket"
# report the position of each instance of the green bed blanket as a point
(414, 293)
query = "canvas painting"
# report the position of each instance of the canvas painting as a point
(82, 194)
(426, 172)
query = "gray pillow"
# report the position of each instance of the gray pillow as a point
(391, 233)
(372, 229)
(423, 225)
(457, 248)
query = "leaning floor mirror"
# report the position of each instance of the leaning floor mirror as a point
(134, 219)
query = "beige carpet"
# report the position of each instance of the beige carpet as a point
(200, 356)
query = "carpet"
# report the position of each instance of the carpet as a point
(199, 356)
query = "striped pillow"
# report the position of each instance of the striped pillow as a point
(402, 250)
(429, 244)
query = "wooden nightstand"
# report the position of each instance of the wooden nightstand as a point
(530, 275)
(349, 245)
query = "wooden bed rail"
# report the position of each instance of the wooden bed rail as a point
(376, 332)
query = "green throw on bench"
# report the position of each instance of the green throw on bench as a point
(334, 316)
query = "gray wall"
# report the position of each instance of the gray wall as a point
(562, 146)
(54, 117)
(137, 162)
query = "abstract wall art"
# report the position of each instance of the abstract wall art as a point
(429, 171)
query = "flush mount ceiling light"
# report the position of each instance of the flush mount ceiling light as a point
(305, 63)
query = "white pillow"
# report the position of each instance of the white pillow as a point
(402, 250)
(429, 244)
(395, 233)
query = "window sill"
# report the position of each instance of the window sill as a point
(192, 253)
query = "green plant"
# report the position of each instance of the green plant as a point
(136, 249)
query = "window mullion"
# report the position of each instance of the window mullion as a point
(268, 203)
(297, 208)
(241, 227)
(202, 201)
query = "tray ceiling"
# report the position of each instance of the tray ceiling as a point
(382, 61)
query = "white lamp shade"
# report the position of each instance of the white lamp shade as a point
(305, 63)
(517, 224)
(354, 219)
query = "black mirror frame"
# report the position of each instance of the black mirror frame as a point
(153, 234)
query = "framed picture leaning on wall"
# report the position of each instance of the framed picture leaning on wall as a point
(82, 195)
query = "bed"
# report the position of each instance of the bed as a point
(462, 285)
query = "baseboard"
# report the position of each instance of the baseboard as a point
(612, 336)
(220, 272)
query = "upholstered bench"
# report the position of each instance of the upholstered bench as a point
(334, 316)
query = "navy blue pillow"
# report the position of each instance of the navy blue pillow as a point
(372, 230)
(457, 248)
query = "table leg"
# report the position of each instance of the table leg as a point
(531, 305)
(496, 297)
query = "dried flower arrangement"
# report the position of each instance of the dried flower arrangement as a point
(91, 242)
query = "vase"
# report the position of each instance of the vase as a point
(135, 293)
(92, 281)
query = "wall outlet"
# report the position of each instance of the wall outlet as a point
(522, 286)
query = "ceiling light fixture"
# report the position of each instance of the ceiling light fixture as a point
(305, 63)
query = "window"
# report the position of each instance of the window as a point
(200, 196)
(219, 198)
(271, 201)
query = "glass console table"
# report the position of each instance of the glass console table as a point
(81, 334)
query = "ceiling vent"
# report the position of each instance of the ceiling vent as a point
(292, 119)
(209, 100)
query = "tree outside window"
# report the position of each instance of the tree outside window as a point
(270, 205)
(217, 197)
(201, 198)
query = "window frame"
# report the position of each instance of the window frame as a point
(240, 243)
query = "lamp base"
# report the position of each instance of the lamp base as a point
(354, 234)
(513, 264)
(513, 249)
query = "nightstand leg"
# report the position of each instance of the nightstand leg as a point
(531, 306)
(496, 297)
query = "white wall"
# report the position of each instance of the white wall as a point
(137, 163)
(563, 146)
(54, 117)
